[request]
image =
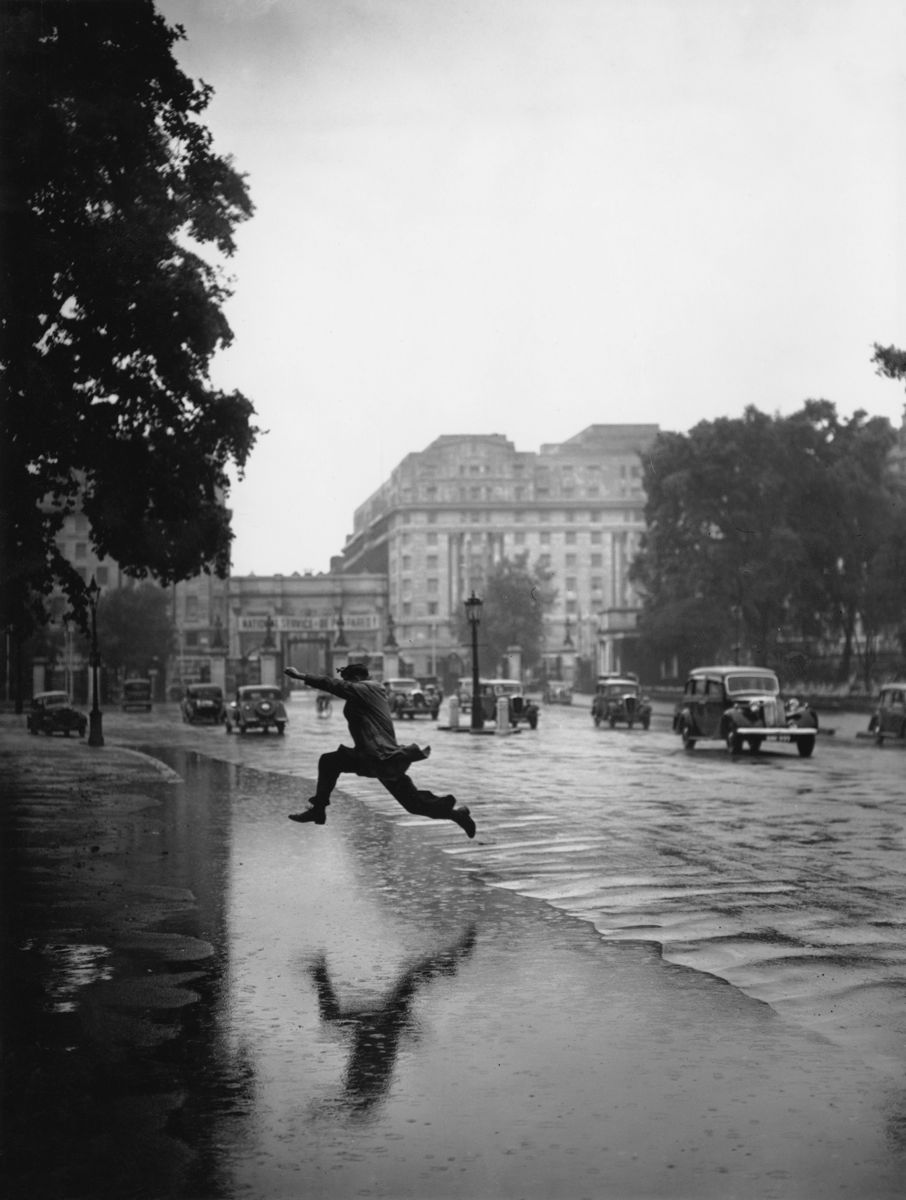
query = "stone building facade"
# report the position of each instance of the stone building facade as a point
(447, 514)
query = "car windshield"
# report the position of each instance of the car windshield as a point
(504, 688)
(620, 689)
(55, 700)
(261, 693)
(136, 687)
(752, 683)
(205, 693)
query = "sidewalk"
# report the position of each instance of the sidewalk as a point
(511, 1053)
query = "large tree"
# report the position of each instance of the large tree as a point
(766, 530)
(135, 627)
(116, 216)
(514, 597)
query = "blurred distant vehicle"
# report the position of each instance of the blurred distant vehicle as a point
(739, 705)
(203, 702)
(52, 712)
(256, 706)
(889, 718)
(619, 699)
(407, 698)
(557, 693)
(520, 708)
(136, 694)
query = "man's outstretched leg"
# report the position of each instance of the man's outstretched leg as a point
(330, 768)
(426, 804)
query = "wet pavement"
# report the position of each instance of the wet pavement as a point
(204, 1000)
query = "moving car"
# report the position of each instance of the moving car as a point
(52, 712)
(738, 705)
(619, 698)
(519, 706)
(137, 694)
(408, 698)
(203, 702)
(257, 706)
(889, 718)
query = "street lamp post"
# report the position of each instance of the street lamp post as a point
(95, 721)
(473, 612)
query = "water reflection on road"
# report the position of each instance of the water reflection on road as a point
(784, 876)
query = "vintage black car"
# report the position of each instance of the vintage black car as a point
(52, 712)
(136, 694)
(742, 705)
(203, 702)
(257, 706)
(620, 699)
(889, 718)
(520, 708)
(409, 699)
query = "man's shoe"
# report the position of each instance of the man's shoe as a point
(316, 813)
(463, 819)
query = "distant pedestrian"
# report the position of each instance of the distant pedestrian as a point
(375, 754)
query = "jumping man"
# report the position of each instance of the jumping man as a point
(376, 752)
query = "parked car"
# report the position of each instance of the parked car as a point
(620, 698)
(557, 693)
(738, 705)
(889, 718)
(52, 712)
(137, 694)
(257, 706)
(203, 702)
(409, 699)
(521, 709)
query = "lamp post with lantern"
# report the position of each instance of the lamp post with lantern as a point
(473, 612)
(95, 720)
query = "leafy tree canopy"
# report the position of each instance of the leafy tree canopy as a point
(135, 627)
(110, 311)
(767, 529)
(514, 598)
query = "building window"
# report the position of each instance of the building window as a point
(191, 639)
(81, 551)
(432, 587)
(571, 583)
(432, 608)
(431, 562)
(432, 539)
(545, 538)
(570, 560)
(571, 538)
(407, 562)
(407, 608)
(597, 560)
(595, 537)
(102, 575)
(519, 539)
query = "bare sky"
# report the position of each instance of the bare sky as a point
(529, 216)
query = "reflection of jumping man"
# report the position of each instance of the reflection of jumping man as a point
(377, 1031)
(376, 753)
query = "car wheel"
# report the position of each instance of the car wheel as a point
(597, 722)
(686, 735)
(228, 728)
(754, 745)
(805, 746)
(612, 722)
(879, 739)
(630, 724)
(280, 729)
(734, 741)
(646, 721)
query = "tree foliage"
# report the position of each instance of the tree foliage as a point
(135, 628)
(514, 599)
(767, 531)
(110, 311)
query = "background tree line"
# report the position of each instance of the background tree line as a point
(776, 540)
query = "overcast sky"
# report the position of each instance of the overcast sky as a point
(529, 216)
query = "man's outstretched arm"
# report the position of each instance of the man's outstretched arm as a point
(324, 683)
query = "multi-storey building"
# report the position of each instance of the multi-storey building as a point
(447, 514)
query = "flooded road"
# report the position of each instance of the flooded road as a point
(784, 876)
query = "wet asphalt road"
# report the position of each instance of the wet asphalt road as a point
(784, 876)
(385, 1008)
